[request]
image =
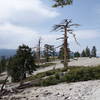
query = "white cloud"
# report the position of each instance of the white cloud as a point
(87, 34)
(85, 38)
(25, 11)
(84, 35)
(37, 6)
(15, 13)
(12, 36)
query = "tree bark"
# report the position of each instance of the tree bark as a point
(65, 48)
(39, 51)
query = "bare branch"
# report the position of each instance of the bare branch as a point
(75, 39)
(69, 30)
(60, 38)
(59, 46)
(57, 27)
(74, 25)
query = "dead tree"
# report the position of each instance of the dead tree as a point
(47, 50)
(4, 83)
(65, 27)
(38, 51)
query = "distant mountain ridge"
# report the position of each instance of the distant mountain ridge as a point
(7, 52)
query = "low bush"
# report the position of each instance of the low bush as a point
(83, 74)
(49, 81)
(75, 74)
(43, 74)
(57, 76)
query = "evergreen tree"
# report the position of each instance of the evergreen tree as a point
(93, 52)
(21, 63)
(83, 54)
(2, 64)
(53, 52)
(61, 53)
(87, 51)
(48, 51)
(77, 54)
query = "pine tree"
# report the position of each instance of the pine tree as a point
(48, 51)
(53, 52)
(93, 52)
(83, 54)
(21, 63)
(61, 53)
(87, 51)
(77, 54)
(3, 62)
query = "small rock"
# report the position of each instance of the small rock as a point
(37, 96)
(28, 92)
(66, 97)
(70, 89)
(47, 93)
(62, 95)
(57, 94)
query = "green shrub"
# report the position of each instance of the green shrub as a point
(74, 75)
(83, 74)
(48, 73)
(57, 76)
(49, 81)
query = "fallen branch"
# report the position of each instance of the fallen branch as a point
(29, 84)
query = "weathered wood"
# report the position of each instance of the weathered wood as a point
(28, 84)
(65, 27)
(65, 48)
(2, 87)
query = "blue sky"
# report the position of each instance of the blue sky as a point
(24, 21)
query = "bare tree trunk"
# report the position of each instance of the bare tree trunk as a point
(65, 49)
(39, 50)
(23, 73)
(4, 83)
(21, 79)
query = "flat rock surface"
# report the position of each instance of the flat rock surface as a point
(88, 90)
(82, 61)
(85, 61)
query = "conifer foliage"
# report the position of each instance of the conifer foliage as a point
(62, 3)
(21, 63)
(89, 53)
(93, 52)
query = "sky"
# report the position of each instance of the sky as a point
(25, 21)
